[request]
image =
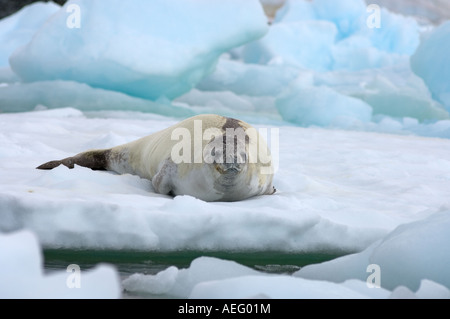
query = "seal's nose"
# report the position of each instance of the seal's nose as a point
(228, 170)
(231, 164)
(230, 167)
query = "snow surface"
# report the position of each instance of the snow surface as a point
(338, 192)
(364, 152)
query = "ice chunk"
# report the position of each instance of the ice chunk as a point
(146, 49)
(356, 45)
(431, 290)
(215, 278)
(305, 44)
(275, 287)
(229, 104)
(390, 99)
(321, 106)
(217, 101)
(413, 242)
(349, 16)
(397, 33)
(410, 253)
(394, 91)
(430, 62)
(20, 97)
(363, 55)
(7, 76)
(160, 284)
(212, 278)
(22, 276)
(18, 29)
(180, 282)
(401, 292)
(248, 79)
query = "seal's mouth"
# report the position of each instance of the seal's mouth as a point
(228, 168)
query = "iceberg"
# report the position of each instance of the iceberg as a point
(430, 62)
(145, 49)
(321, 106)
(163, 62)
(350, 73)
(320, 35)
(22, 97)
(18, 29)
(348, 16)
(248, 78)
(393, 91)
(301, 44)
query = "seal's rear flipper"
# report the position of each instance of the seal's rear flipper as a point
(50, 165)
(96, 160)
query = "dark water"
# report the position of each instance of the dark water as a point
(150, 263)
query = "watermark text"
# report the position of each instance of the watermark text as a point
(374, 19)
(74, 19)
(74, 279)
(374, 279)
(236, 146)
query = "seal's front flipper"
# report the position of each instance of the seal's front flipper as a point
(162, 181)
(95, 160)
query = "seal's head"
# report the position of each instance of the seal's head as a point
(228, 157)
